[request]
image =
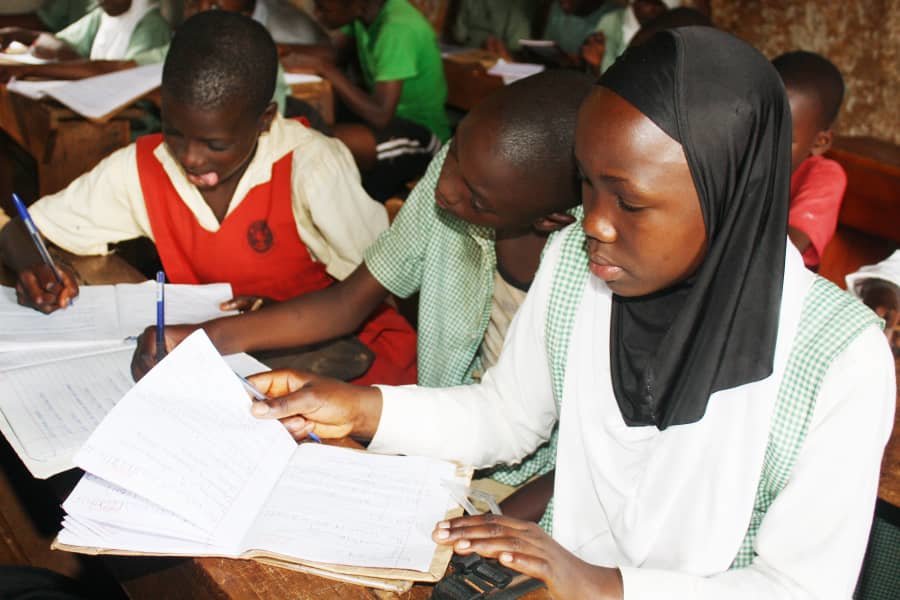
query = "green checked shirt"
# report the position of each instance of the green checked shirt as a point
(451, 264)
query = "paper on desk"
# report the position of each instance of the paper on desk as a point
(34, 89)
(184, 439)
(103, 315)
(298, 78)
(514, 71)
(99, 97)
(47, 411)
(24, 58)
(315, 510)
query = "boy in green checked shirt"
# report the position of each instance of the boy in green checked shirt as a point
(468, 239)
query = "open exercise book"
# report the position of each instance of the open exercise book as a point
(181, 467)
(97, 98)
(60, 374)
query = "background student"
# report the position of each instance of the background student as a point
(486, 23)
(115, 35)
(699, 454)
(468, 240)
(399, 114)
(229, 192)
(815, 90)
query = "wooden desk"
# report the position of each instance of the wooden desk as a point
(24, 541)
(319, 94)
(63, 144)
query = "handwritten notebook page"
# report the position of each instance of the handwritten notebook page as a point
(48, 411)
(99, 97)
(104, 315)
(184, 439)
(334, 505)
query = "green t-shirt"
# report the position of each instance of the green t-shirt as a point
(401, 45)
(151, 33)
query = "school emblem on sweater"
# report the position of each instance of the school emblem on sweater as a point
(259, 236)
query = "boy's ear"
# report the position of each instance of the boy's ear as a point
(822, 142)
(552, 222)
(267, 116)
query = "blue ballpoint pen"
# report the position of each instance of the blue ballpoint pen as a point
(258, 396)
(36, 237)
(160, 316)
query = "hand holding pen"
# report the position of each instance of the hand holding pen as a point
(41, 284)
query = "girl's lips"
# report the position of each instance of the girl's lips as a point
(605, 271)
(205, 180)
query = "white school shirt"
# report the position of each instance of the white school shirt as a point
(670, 508)
(335, 217)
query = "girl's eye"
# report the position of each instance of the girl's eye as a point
(217, 147)
(627, 207)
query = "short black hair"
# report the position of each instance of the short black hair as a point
(536, 119)
(815, 76)
(219, 58)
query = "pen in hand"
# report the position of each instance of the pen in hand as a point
(36, 238)
(160, 316)
(258, 396)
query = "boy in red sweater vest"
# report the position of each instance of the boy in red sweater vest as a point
(228, 192)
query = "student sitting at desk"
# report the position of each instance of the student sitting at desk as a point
(722, 411)
(229, 192)
(815, 90)
(115, 35)
(468, 240)
(401, 115)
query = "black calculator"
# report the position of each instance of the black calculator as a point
(472, 576)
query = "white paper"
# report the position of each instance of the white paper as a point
(298, 78)
(514, 71)
(378, 512)
(184, 439)
(34, 89)
(50, 410)
(99, 96)
(103, 315)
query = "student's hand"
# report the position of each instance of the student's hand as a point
(528, 549)
(305, 402)
(144, 357)
(495, 46)
(246, 303)
(593, 49)
(38, 288)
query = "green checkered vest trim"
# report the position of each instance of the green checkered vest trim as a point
(830, 320)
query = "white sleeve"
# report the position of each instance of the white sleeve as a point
(501, 420)
(812, 539)
(103, 206)
(335, 217)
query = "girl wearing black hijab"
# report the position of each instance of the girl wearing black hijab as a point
(721, 411)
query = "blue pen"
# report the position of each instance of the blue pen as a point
(258, 396)
(36, 237)
(160, 316)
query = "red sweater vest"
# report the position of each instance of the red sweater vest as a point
(259, 251)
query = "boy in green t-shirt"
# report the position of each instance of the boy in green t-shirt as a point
(400, 110)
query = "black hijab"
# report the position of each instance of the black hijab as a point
(725, 104)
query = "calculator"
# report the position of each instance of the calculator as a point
(472, 577)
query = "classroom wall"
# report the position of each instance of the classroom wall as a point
(862, 37)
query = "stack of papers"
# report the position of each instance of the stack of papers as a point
(514, 71)
(60, 374)
(181, 467)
